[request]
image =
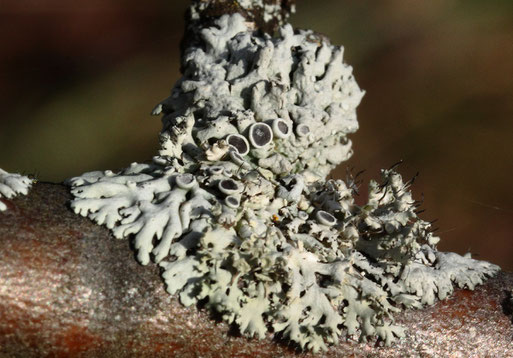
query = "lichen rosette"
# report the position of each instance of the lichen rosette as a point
(237, 210)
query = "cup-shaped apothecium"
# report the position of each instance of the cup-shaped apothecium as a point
(239, 142)
(281, 128)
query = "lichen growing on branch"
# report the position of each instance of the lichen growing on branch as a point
(12, 185)
(237, 210)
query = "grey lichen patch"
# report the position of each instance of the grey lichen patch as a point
(237, 210)
(266, 15)
(12, 185)
(291, 96)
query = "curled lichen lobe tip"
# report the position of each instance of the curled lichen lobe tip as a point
(12, 185)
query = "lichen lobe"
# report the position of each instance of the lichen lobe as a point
(237, 210)
(12, 185)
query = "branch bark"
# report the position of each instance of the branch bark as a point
(68, 288)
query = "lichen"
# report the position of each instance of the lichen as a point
(262, 12)
(12, 185)
(237, 210)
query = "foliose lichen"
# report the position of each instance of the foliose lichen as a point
(266, 14)
(237, 210)
(12, 185)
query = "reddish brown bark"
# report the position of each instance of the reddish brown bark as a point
(68, 289)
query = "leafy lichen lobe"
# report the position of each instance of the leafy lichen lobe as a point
(12, 185)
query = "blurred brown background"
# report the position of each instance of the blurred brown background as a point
(78, 80)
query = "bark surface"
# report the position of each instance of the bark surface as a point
(68, 288)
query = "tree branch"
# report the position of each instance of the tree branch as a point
(68, 288)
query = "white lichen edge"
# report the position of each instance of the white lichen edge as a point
(263, 237)
(12, 185)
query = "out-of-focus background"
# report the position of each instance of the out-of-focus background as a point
(78, 80)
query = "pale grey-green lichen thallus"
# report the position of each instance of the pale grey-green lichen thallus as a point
(237, 210)
(12, 185)
(269, 10)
